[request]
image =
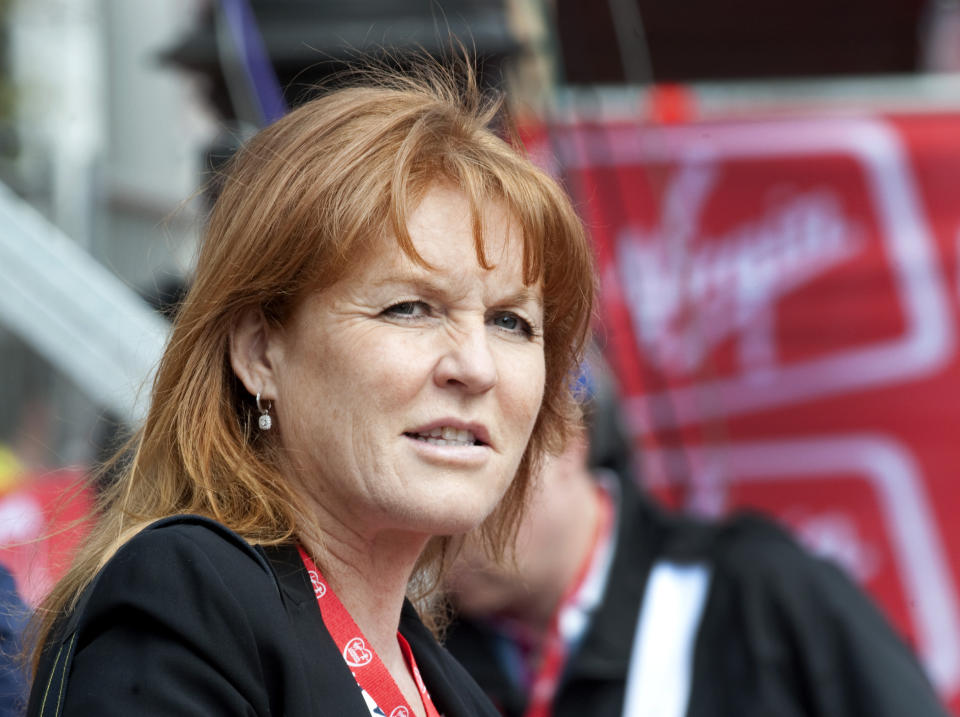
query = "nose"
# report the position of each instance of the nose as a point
(468, 361)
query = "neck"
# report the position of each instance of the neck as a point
(366, 566)
(370, 578)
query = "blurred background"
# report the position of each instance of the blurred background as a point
(772, 190)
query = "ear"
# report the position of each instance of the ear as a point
(249, 357)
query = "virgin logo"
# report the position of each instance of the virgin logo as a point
(356, 653)
(400, 711)
(689, 290)
(319, 588)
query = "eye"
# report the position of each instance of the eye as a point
(408, 309)
(512, 323)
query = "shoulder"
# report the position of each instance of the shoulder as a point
(186, 543)
(754, 556)
(751, 547)
(189, 618)
(189, 537)
(765, 581)
(804, 617)
(757, 569)
(178, 563)
(749, 536)
(184, 616)
(744, 541)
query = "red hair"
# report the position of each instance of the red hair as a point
(295, 206)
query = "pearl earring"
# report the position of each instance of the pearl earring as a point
(265, 422)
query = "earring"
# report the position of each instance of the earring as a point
(265, 422)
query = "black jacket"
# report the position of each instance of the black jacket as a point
(781, 633)
(189, 619)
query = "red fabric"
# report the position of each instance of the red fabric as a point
(42, 521)
(671, 104)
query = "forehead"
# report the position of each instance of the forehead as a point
(443, 218)
(441, 232)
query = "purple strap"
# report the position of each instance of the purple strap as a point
(253, 60)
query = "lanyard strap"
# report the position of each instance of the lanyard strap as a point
(557, 643)
(365, 664)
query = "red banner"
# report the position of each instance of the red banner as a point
(41, 524)
(780, 303)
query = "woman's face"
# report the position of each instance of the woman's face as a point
(405, 396)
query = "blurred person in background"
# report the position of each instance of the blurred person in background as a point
(372, 356)
(13, 619)
(612, 606)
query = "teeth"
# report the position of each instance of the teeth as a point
(448, 436)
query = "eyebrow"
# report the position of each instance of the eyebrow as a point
(424, 282)
(412, 279)
(526, 295)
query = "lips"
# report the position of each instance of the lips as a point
(451, 433)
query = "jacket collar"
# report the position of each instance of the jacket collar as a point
(604, 652)
(331, 683)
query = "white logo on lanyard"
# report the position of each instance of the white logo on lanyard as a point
(319, 587)
(356, 653)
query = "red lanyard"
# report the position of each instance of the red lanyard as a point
(366, 666)
(556, 646)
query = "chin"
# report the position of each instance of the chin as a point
(455, 518)
(456, 525)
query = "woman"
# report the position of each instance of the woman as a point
(373, 354)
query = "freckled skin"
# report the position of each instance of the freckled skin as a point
(394, 347)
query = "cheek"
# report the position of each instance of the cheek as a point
(525, 390)
(362, 374)
(387, 376)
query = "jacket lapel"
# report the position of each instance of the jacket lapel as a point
(453, 691)
(333, 688)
